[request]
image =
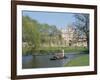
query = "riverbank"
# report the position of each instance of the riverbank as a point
(79, 61)
(52, 50)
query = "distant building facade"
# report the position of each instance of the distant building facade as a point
(70, 38)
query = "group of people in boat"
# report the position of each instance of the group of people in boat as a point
(59, 55)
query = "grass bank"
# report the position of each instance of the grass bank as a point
(52, 50)
(79, 61)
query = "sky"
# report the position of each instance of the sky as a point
(59, 19)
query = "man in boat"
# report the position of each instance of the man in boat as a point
(59, 55)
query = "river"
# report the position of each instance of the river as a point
(43, 61)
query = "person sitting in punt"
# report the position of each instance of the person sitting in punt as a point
(58, 55)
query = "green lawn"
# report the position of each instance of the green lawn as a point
(50, 50)
(66, 49)
(79, 61)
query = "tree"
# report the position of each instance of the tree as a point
(82, 25)
(48, 34)
(30, 32)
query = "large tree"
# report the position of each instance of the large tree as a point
(82, 25)
(48, 34)
(30, 32)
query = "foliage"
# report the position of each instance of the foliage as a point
(30, 32)
(36, 34)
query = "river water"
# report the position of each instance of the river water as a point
(43, 61)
